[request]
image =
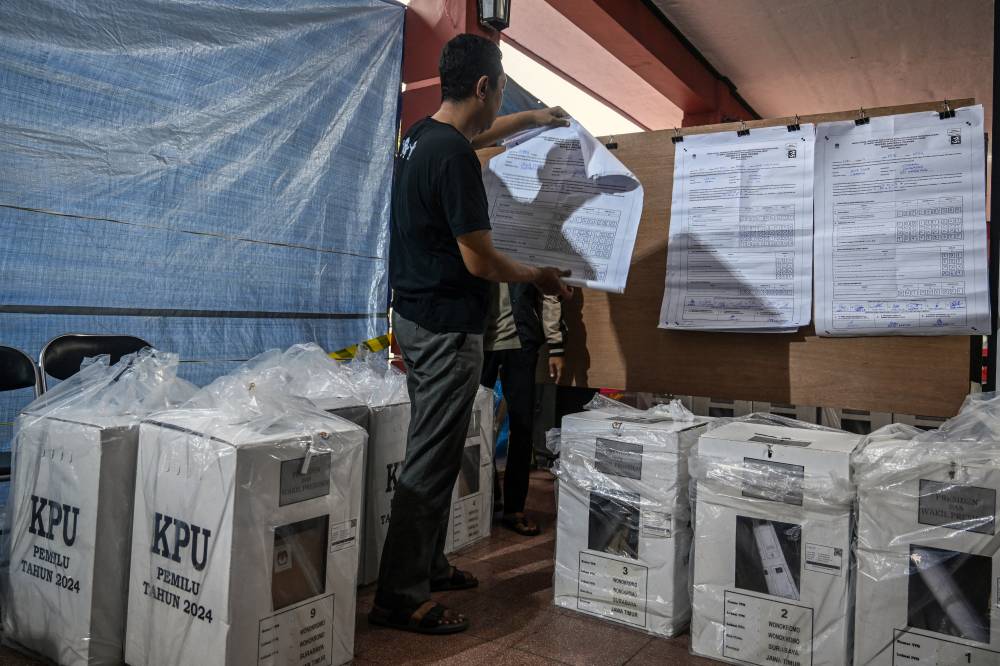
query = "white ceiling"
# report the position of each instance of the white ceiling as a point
(813, 56)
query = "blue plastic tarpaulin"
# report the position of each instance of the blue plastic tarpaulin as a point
(212, 176)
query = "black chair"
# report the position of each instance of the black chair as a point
(62, 356)
(17, 371)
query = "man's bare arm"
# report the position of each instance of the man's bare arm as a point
(484, 261)
(509, 125)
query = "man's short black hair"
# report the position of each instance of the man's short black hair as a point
(463, 60)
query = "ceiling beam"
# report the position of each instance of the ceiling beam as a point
(643, 40)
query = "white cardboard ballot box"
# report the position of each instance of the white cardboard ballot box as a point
(928, 562)
(387, 427)
(472, 500)
(624, 533)
(244, 541)
(772, 580)
(71, 508)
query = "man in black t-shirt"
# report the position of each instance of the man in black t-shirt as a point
(441, 261)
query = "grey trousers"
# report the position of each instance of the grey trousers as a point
(442, 379)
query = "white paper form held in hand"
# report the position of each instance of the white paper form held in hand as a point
(739, 256)
(559, 198)
(901, 226)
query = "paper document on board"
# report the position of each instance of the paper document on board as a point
(739, 256)
(901, 226)
(560, 198)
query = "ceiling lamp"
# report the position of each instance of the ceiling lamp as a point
(495, 13)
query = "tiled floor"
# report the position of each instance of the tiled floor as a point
(513, 619)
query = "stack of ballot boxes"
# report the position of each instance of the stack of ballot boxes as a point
(244, 539)
(623, 536)
(772, 575)
(472, 500)
(71, 508)
(927, 547)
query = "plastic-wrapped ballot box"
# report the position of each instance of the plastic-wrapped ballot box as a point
(772, 581)
(927, 551)
(244, 543)
(72, 514)
(71, 508)
(623, 535)
(387, 429)
(472, 500)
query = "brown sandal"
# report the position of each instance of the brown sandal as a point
(429, 617)
(459, 580)
(521, 525)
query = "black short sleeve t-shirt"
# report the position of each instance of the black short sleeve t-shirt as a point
(437, 196)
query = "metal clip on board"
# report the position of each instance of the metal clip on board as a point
(948, 111)
(677, 137)
(743, 130)
(611, 144)
(796, 126)
(862, 118)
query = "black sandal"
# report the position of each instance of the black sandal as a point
(459, 580)
(429, 617)
(521, 525)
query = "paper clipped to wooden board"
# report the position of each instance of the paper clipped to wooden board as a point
(741, 225)
(901, 226)
(558, 197)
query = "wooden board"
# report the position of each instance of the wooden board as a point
(613, 340)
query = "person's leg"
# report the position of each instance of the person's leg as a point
(517, 375)
(443, 374)
(491, 368)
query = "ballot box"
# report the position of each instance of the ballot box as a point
(472, 500)
(245, 535)
(366, 392)
(71, 508)
(927, 548)
(387, 427)
(623, 533)
(348, 408)
(772, 579)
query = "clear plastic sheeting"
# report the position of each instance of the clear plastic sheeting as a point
(767, 418)
(928, 549)
(772, 575)
(553, 441)
(375, 381)
(245, 483)
(307, 371)
(624, 533)
(674, 410)
(71, 502)
(212, 177)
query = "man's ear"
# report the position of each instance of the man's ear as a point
(482, 87)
